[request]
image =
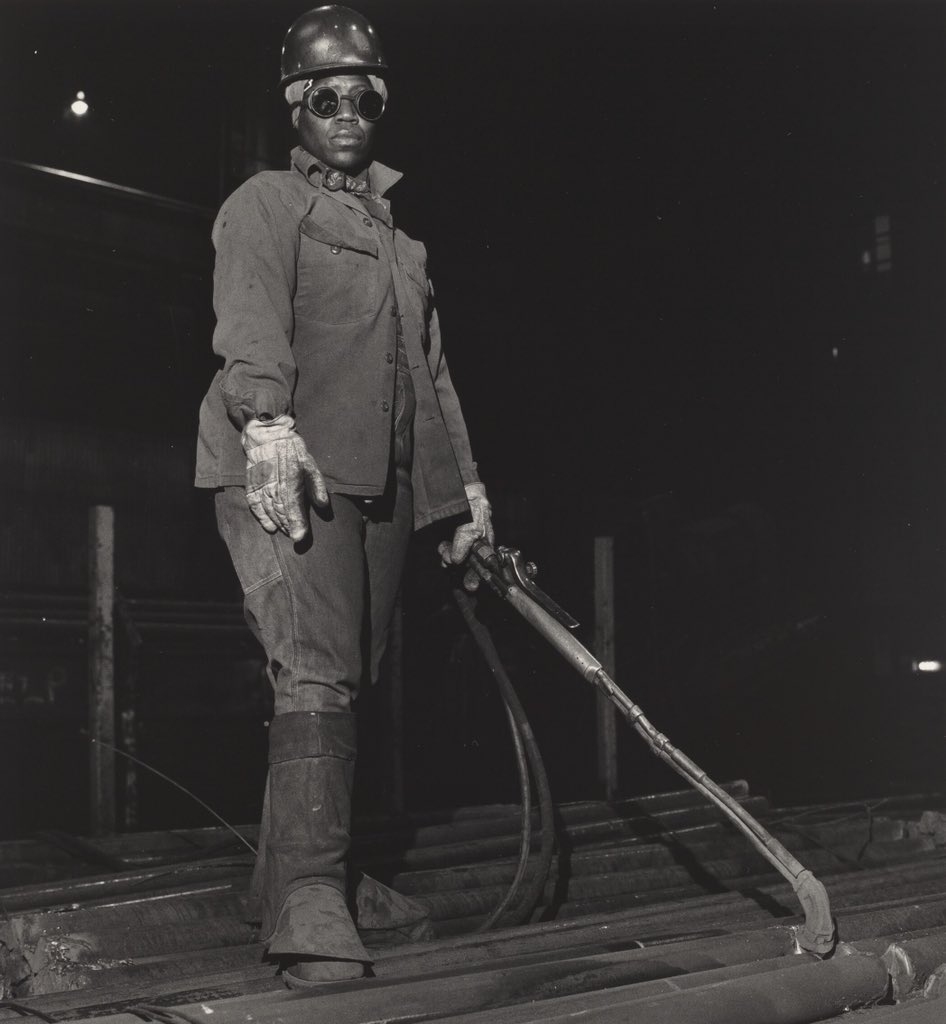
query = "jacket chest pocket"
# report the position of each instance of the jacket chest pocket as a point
(337, 276)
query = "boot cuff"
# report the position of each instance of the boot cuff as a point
(314, 921)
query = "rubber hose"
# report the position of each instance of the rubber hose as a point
(525, 826)
(536, 887)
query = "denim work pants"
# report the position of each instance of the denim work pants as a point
(321, 609)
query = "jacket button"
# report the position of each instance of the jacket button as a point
(366, 221)
(336, 249)
(385, 406)
(388, 358)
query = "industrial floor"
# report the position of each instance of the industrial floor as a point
(655, 911)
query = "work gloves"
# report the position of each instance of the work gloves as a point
(281, 476)
(282, 479)
(454, 552)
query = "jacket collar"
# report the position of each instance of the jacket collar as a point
(381, 176)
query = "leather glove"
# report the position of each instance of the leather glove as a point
(281, 476)
(455, 552)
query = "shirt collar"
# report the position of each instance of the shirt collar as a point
(381, 176)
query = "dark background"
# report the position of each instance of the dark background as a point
(689, 259)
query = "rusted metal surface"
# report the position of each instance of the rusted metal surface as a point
(935, 987)
(161, 975)
(763, 899)
(782, 991)
(561, 893)
(380, 853)
(808, 992)
(29, 860)
(910, 962)
(622, 942)
(586, 824)
(411, 841)
(919, 1011)
(124, 883)
(653, 866)
(506, 986)
(61, 948)
(201, 919)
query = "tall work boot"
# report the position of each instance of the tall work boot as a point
(252, 902)
(305, 919)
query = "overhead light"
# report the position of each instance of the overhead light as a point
(79, 106)
(927, 665)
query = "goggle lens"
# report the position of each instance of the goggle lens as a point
(325, 101)
(370, 105)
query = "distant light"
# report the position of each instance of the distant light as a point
(928, 666)
(79, 107)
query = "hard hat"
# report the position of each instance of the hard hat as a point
(327, 39)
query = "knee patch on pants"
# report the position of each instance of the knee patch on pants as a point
(298, 734)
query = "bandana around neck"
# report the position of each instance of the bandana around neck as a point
(336, 181)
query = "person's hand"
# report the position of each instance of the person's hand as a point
(281, 476)
(454, 552)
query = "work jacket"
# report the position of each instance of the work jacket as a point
(308, 291)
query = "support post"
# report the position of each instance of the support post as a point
(126, 705)
(101, 669)
(607, 740)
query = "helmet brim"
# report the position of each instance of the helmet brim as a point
(336, 69)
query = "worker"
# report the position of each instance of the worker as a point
(330, 432)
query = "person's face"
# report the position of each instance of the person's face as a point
(343, 141)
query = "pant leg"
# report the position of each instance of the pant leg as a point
(388, 526)
(305, 602)
(386, 541)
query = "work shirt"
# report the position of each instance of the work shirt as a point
(309, 292)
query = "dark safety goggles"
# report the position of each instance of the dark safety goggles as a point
(324, 101)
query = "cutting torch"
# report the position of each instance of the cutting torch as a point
(513, 578)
